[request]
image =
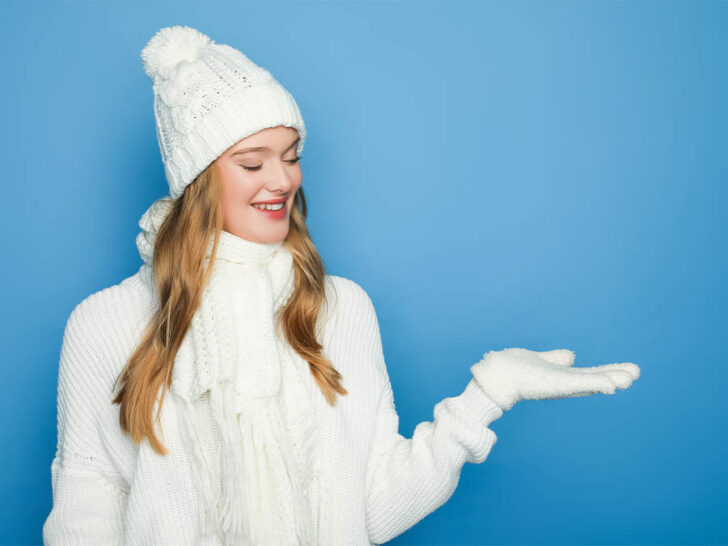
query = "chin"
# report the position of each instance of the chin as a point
(273, 237)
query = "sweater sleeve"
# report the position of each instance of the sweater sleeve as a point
(89, 497)
(408, 478)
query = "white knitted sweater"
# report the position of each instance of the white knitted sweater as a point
(375, 485)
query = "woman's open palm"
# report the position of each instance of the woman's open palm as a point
(510, 375)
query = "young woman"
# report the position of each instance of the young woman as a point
(232, 392)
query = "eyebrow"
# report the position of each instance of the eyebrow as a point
(262, 148)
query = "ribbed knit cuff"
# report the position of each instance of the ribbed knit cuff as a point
(475, 399)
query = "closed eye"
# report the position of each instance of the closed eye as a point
(258, 167)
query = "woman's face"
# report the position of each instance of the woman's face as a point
(268, 172)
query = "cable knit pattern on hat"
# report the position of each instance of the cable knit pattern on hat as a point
(364, 482)
(207, 97)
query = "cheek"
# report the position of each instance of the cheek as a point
(238, 189)
(297, 180)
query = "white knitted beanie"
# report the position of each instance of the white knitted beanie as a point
(207, 97)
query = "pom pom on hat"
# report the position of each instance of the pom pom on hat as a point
(171, 46)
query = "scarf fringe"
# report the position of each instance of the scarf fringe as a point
(255, 467)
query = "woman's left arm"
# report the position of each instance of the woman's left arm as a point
(408, 478)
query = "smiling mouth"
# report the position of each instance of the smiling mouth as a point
(272, 211)
(269, 206)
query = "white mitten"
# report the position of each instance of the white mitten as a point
(511, 375)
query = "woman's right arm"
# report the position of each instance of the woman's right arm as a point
(89, 498)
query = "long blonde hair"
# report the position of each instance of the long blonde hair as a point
(180, 277)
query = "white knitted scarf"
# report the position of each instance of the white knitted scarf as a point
(254, 492)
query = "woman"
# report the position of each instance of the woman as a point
(231, 392)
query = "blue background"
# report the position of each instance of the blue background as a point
(538, 175)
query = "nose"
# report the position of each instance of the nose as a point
(280, 181)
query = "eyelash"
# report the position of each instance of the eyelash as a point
(290, 161)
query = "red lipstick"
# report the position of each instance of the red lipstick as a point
(272, 214)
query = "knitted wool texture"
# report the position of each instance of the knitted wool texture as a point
(253, 491)
(207, 97)
(366, 482)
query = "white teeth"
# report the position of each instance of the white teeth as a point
(277, 206)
